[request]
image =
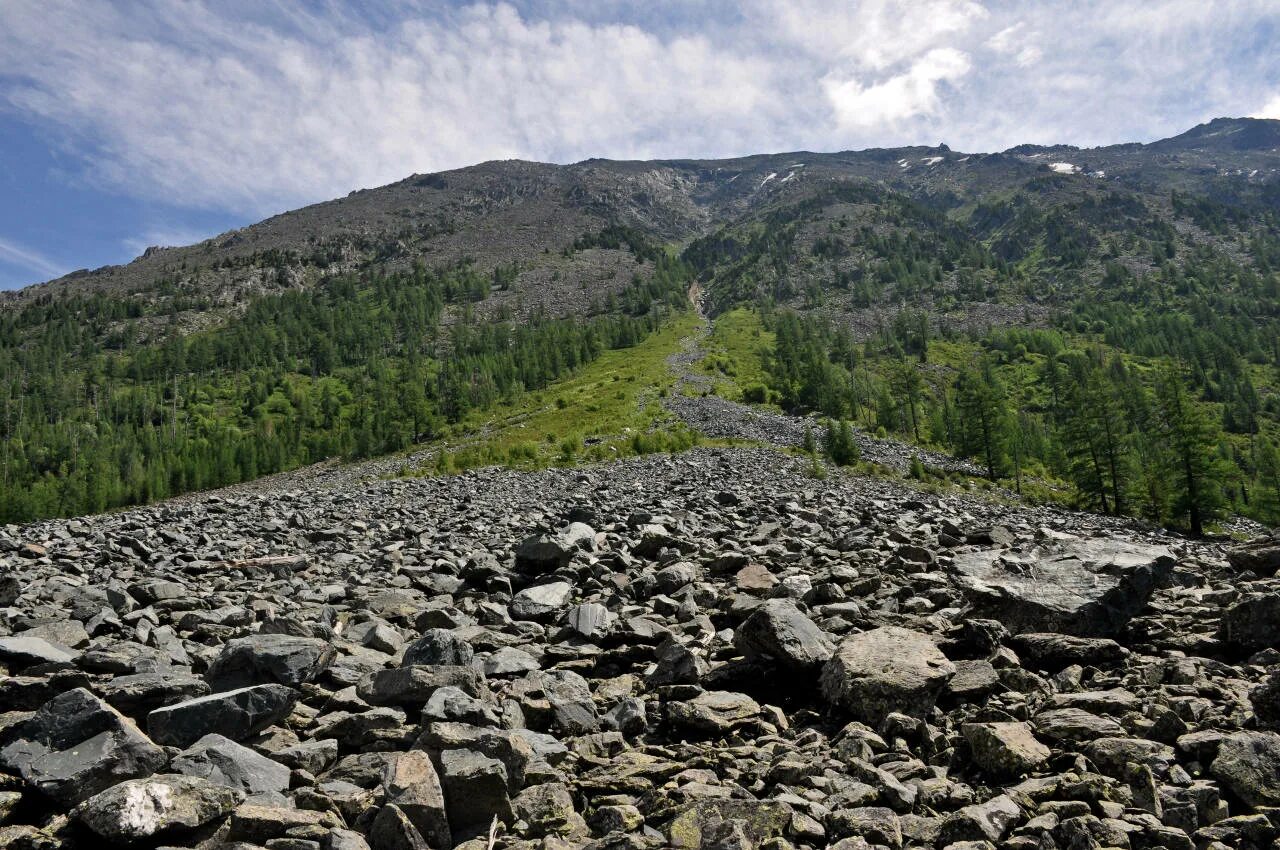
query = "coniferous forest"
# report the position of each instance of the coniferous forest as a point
(361, 365)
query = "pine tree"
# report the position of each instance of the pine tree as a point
(1190, 440)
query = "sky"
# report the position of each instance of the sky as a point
(163, 122)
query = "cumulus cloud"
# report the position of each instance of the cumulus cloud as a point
(913, 93)
(1271, 110)
(253, 108)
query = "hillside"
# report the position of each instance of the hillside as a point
(391, 317)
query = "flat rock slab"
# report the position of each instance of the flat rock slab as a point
(1089, 588)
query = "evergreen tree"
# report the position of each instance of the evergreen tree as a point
(1191, 461)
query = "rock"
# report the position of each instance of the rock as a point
(758, 820)
(412, 785)
(989, 821)
(475, 790)
(233, 714)
(438, 647)
(1052, 651)
(544, 553)
(591, 621)
(779, 632)
(884, 670)
(22, 651)
(713, 712)
(1007, 749)
(76, 745)
(542, 601)
(547, 808)
(140, 693)
(876, 824)
(269, 658)
(1089, 588)
(414, 685)
(1248, 766)
(1260, 556)
(224, 762)
(1253, 623)
(392, 830)
(139, 809)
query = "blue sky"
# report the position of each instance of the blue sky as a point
(129, 124)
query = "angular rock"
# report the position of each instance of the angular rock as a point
(438, 647)
(76, 745)
(1006, 749)
(224, 762)
(713, 712)
(1090, 588)
(885, 670)
(1260, 556)
(414, 685)
(779, 632)
(1248, 766)
(233, 714)
(269, 659)
(1253, 623)
(542, 602)
(412, 785)
(475, 790)
(143, 808)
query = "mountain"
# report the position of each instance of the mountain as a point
(401, 315)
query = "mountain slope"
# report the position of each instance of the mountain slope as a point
(372, 322)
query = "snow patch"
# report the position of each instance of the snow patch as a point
(1064, 167)
(772, 175)
(932, 160)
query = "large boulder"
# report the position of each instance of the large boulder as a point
(76, 745)
(1252, 623)
(234, 714)
(1005, 749)
(1248, 765)
(142, 808)
(545, 553)
(1089, 588)
(778, 631)
(886, 670)
(223, 761)
(269, 658)
(1261, 556)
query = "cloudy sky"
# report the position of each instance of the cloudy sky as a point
(138, 122)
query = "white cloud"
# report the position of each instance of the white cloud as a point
(1271, 110)
(19, 255)
(253, 108)
(913, 93)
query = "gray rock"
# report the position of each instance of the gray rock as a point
(223, 761)
(544, 553)
(1089, 588)
(438, 647)
(1006, 749)
(779, 632)
(411, 784)
(267, 659)
(1253, 623)
(1248, 766)
(415, 685)
(76, 745)
(1261, 556)
(28, 651)
(235, 714)
(143, 808)
(475, 790)
(591, 621)
(542, 602)
(884, 670)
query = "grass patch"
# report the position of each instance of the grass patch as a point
(611, 408)
(736, 355)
